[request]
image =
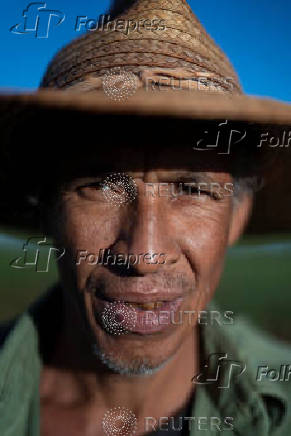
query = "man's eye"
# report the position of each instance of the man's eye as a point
(197, 191)
(183, 190)
(187, 191)
(91, 191)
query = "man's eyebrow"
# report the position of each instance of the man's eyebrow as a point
(187, 176)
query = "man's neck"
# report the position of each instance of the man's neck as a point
(73, 375)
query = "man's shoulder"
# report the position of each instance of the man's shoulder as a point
(33, 328)
(5, 329)
(19, 376)
(250, 341)
(268, 364)
(260, 367)
(258, 345)
(15, 334)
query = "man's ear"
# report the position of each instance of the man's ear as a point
(242, 209)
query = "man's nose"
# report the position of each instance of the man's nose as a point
(149, 236)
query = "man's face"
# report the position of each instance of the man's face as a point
(178, 234)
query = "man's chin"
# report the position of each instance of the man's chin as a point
(133, 354)
(136, 355)
(136, 366)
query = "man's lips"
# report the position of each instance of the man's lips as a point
(152, 296)
(136, 313)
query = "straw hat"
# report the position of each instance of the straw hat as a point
(166, 65)
(173, 52)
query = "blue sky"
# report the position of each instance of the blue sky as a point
(255, 34)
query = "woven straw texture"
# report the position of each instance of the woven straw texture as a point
(180, 46)
(177, 57)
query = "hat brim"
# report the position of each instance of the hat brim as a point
(172, 116)
(261, 114)
(168, 102)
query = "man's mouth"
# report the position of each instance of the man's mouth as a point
(154, 305)
(130, 316)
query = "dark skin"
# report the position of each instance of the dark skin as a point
(194, 231)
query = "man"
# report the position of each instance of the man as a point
(123, 344)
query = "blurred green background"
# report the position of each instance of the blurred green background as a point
(255, 283)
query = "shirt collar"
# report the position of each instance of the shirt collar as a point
(262, 406)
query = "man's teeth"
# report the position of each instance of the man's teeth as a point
(148, 306)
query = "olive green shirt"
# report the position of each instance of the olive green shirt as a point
(246, 407)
